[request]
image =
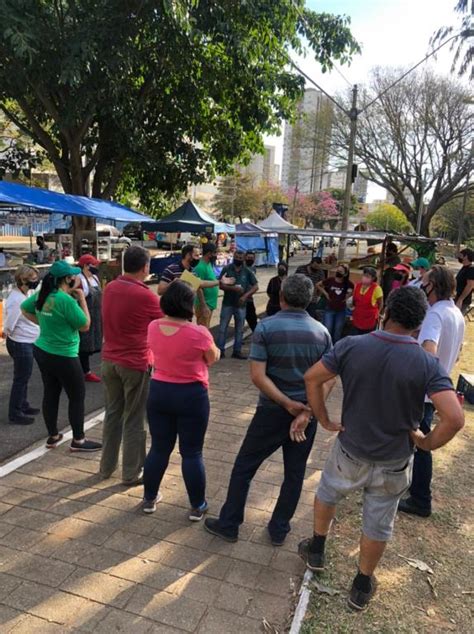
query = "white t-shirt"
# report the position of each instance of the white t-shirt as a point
(88, 281)
(16, 327)
(444, 325)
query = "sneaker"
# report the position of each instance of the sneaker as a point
(85, 445)
(222, 354)
(135, 481)
(313, 561)
(22, 420)
(212, 526)
(277, 541)
(196, 515)
(90, 377)
(53, 442)
(239, 355)
(149, 506)
(412, 508)
(359, 600)
(31, 411)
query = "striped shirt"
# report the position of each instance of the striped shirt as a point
(290, 342)
(171, 272)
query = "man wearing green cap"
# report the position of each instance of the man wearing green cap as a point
(420, 266)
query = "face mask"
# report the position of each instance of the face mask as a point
(94, 270)
(416, 275)
(282, 271)
(237, 263)
(32, 284)
(460, 260)
(424, 289)
(213, 259)
(194, 262)
(72, 283)
(398, 277)
(339, 275)
(249, 261)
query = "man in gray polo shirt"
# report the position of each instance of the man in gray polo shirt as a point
(385, 376)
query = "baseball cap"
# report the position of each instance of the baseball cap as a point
(61, 269)
(88, 258)
(420, 263)
(402, 267)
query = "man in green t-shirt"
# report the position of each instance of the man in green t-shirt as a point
(206, 300)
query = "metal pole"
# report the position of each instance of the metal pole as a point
(420, 207)
(462, 215)
(350, 159)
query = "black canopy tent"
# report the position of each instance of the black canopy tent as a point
(188, 218)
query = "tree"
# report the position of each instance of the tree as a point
(387, 217)
(17, 156)
(414, 140)
(159, 92)
(463, 47)
(446, 221)
(338, 195)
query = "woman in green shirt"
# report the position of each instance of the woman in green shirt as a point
(61, 312)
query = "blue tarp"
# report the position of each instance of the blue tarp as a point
(34, 200)
(259, 243)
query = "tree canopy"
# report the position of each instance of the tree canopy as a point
(158, 93)
(387, 217)
(463, 59)
(414, 140)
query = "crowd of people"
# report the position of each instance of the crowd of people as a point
(155, 366)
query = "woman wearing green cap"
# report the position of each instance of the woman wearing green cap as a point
(61, 312)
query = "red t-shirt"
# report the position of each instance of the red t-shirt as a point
(179, 357)
(337, 292)
(128, 307)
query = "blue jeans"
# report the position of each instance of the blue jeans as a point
(177, 410)
(420, 489)
(268, 431)
(22, 355)
(334, 320)
(238, 313)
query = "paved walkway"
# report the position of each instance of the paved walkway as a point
(77, 554)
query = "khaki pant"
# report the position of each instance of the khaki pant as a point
(126, 393)
(202, 318)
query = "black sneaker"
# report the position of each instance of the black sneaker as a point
(239, 355)
(211, 524)
(85, 445)
(412, 508)
(359, 600)
(222, 354)
(22, 420)
(53, 442)
(31, 411)
(149, 506)
(196, 515)
(313, 561)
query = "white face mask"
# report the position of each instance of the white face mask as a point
(416, 275)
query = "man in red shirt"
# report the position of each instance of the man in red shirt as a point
(128, 307)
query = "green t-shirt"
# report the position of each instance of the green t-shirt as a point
(204, 271)
(59, 322)
(244, 278)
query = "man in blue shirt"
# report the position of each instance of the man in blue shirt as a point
(284, 346)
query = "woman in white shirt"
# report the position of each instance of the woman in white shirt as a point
(21, 335)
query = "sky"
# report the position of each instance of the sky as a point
(391, 33)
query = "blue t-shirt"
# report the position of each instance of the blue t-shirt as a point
(290, 342)
(384, 379)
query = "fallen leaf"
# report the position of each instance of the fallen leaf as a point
(430, 612)
(268, 627)
(325, 589)
(467, 592)
(431, 585)
(418, 564)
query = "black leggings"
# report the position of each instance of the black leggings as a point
(84, 358)
(57, 373)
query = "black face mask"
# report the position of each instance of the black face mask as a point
(339, 276)
(194, 262)
(424, 287)
(237, 263)
(282, 271)
(213, 259)
(32, 284)
(398, 277)
(460, 260)
(249, 261)
(94, 270)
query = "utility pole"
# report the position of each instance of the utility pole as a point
(353, 114)
(420, 206)
(465, 197)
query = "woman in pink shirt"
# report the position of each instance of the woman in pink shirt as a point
(178, 403)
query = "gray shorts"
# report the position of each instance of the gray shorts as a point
(383, 484)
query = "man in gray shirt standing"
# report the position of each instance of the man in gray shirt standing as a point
(385, 376)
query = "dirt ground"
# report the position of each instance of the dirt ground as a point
(408, 599)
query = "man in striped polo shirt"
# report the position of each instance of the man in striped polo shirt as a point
(284, 346)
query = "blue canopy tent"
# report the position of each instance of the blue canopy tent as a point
(189, 218)
(251, 237)
(34, 200)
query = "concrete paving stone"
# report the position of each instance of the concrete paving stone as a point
(118, 502)
(198, 587)
(57, 474)
(4, 491)
(31, 500)
(129, 544)
(288, 562)
(99, 587)
(223, 622)
(182, 613)
(120, 621)
(192, 536)
(21, 538)
(29, 623)
(28, 518)
(36, 568)
(94, 557)
(234, 598)
(4, 507)
(200, 562)
(7, 585)
(9, 618)
(278, 582)
(100, 515)
(6, 556)
(68, 508)
(4, 530)
(149, 573)
(255, 553)
(79, 529)
(270, 607)
(243, 573)
(140, 524)
(56, 606)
